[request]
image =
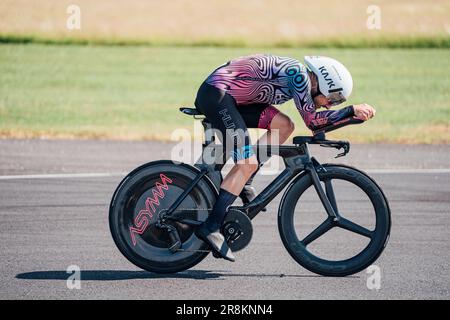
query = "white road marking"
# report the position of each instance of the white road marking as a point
(63, 175)
(122, 174)
(407, 171)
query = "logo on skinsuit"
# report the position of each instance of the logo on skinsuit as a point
(244, 152)
(141, 221)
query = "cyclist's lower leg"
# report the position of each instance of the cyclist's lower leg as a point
(230, 188)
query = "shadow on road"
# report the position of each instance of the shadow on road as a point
(111, 275)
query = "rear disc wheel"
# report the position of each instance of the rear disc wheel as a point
(135, 209)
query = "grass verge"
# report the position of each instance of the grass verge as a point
(133, 92)
(391, 41)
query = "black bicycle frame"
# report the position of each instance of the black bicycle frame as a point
(296, 159)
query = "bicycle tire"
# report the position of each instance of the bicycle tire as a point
(316, 264)
(149, 250)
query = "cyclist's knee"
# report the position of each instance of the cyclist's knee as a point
(283, 123)
(288, 126)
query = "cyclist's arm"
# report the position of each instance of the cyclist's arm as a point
(305, 105)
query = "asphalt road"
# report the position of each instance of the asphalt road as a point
(50, 222)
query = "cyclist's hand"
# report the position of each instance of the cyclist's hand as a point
(364, 111)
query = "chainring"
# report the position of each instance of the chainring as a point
(237, 229)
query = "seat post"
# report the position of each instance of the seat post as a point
(209, 134)
(306, 150)
(209, 141)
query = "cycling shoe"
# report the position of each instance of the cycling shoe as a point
(216, 241)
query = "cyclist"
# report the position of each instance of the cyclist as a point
(241, 93)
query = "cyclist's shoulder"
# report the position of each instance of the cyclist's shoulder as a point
(293, 65)
(286, 66)
(276, 60)
(267, 56)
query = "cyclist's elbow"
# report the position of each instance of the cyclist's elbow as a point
(311, 126)
(290, 126)
(309, 122)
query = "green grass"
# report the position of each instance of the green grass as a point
(353, 41)
(133, 92)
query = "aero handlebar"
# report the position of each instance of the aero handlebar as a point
(337, 125)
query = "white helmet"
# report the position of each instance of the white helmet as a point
(335, 81)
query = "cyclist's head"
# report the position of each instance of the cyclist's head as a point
(333, 79)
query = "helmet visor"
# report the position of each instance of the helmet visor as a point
(336, 98)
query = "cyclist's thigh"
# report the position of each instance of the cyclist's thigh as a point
(258, 115)
(220, 109)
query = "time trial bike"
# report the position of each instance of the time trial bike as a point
(156, 208)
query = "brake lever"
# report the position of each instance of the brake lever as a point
(338, 145)
(346, 148)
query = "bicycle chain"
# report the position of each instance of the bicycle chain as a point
(184, 250)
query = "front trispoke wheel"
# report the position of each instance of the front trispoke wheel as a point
(327, 248)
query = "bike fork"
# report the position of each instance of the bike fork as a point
(327, 198)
